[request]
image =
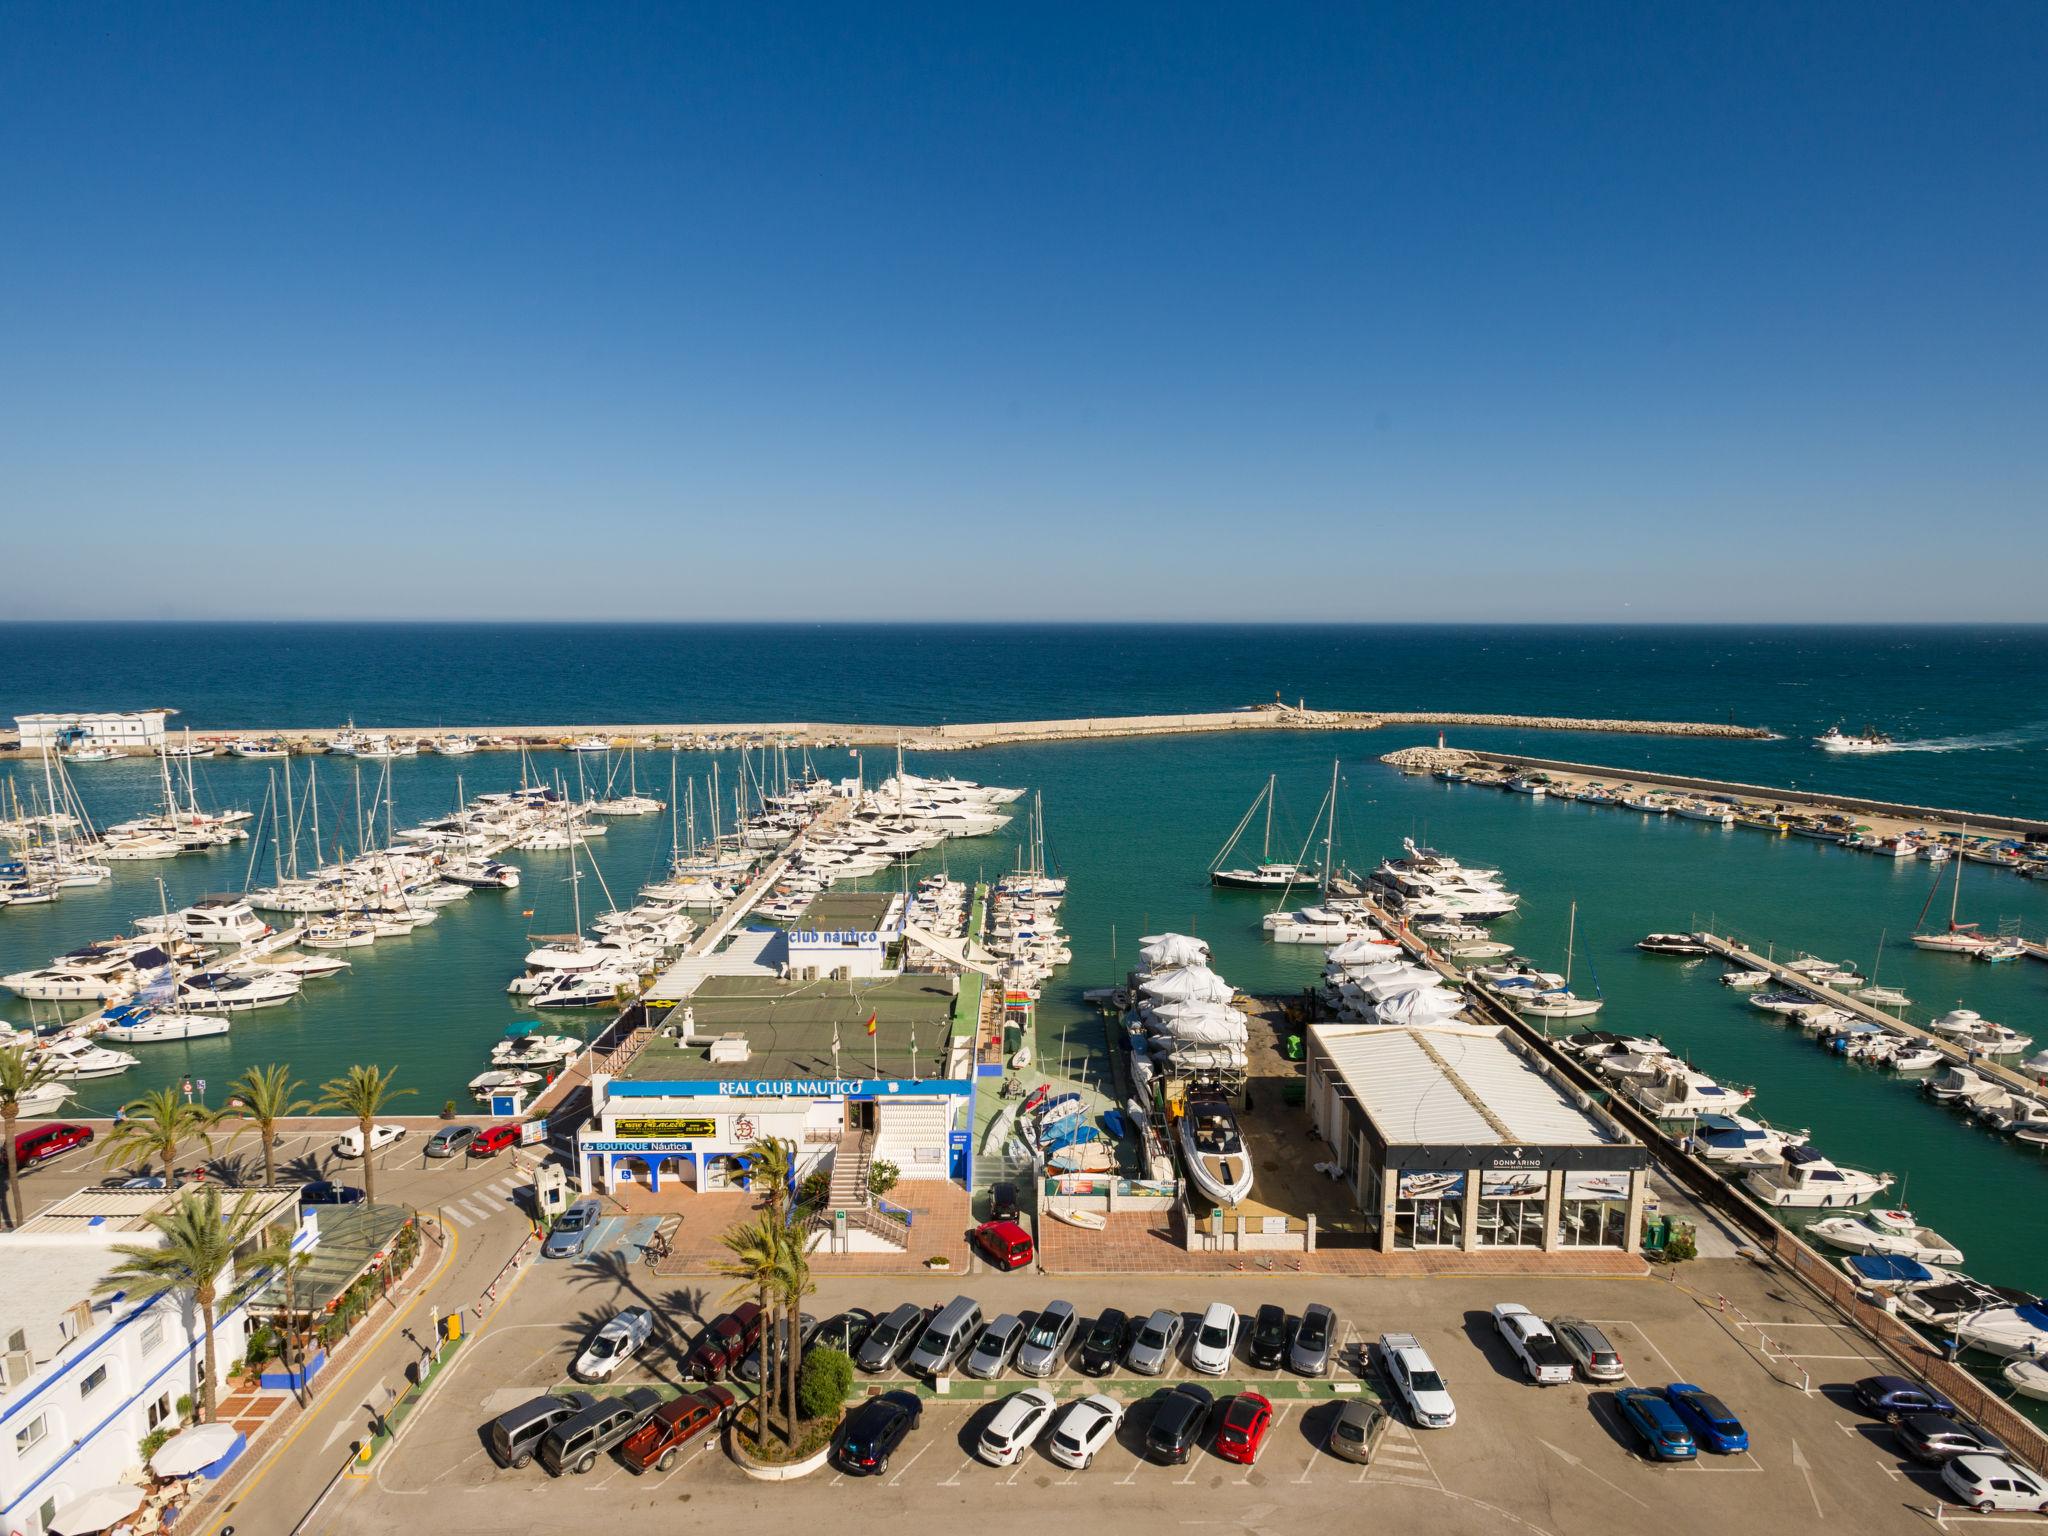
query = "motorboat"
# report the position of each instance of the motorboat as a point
(1744, 980)
(1807, 1180)
(46, 1098)
(1886, 997)
(1213, 1151)
(1892, 1272)
(481, 874)
(2007, 1331)
(224, 920)
(1672, 944)
(1674, 1091)
(71, 1056)
(1916, 1058)
(1947, 1301)
(235, 992)
(139, 1024)
(1887, 1232)
(2029, 1378)
(1737, 1140)
(530, 1047)
(590, 744)
(485, 1084)
(1957, 1082)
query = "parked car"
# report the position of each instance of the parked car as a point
(1002, 1201)
(572, 1231)
(995, 1347)
(350, 1142)
(38, 1144)
(1016, 1426)
(1086, 1427)
(1104, 1343)
(946, 1337)
(891, 1338)
(872, 1432)
(1267, 1345)
(1179, 1421)
(1351, 1436)
(617, 1339)
(452, 1140)
(1420, 1384)
(1934, 1438)
(493, 1139)
(1241, 1427)
(748, 1367)
(1712, 1425)
(660, 1441)
(1154, 1343)
(844, 1331)
(1048, 1339)
(1893, 1397)
(1215, 1340)
(512, 1435)
(1004, 1244)
(327, 1192)
(1315, 1341)
(1658, 1429)
(1990, 1483)
(724, 1339)
(1531, 1342)
(575, 1444)
(1591, 1350)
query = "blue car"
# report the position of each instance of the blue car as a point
(327, 1192)
(572, 1231)
(1893, 1397)
(1712, 1425)
(1656, 1424)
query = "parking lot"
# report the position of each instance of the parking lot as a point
(1553, 1460)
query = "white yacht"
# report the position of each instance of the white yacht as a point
(1887, 1232)
(1213, 1151)
(139, 1024)
(2020, 1331)
(481, 874)
(222, 920)
(1808, 1181)
(232, 992)
(1740, 1141)
(69, 1056)
(590, 744)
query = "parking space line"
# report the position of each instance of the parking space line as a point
(908, 1465)
(954, 1480)
(1272, 1429)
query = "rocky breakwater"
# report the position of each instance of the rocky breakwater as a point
(1571, 723)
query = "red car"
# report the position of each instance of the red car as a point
(1005, 1244)
(1241, 1429)
(724, 1342)
(39, 1144)
(661, 1439)
(493, 1139)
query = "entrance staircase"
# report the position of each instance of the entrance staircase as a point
(849, 1193)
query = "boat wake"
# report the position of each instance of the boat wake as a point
(2023, 736)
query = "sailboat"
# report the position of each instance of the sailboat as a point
(1959, 938)
(1557, 1002)
(1266, 874)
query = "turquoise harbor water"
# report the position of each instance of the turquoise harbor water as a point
(1134, 824)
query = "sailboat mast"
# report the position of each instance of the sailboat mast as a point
(1571, 933)
(1266, 848)
(1330, 832)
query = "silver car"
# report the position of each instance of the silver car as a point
(1315, 1341)
(1154, 1343)
(1596, 1358)
(995, 1348)
(1047, 1342)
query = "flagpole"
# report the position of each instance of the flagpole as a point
(913, 1050)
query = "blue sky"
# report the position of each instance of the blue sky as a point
(1521, 311)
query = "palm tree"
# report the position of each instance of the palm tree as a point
(20, 1075)
(156, 1125)
(793, 1283)
(197, 1248)
(755, 1267)
(363, 1093)
(769, 1159)
(260, 1098)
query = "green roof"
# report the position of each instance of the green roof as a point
(839, 911)
(789, 1027)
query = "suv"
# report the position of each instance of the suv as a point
(874, 1430)
(513, 1435)
(452, 1140)
(1415, 1377)
(1180, 1418)
(575, 1445)
(1267, 1345)
(1541, 1356)
(673, 1425)
(724, 1339)
(1597, 1358)
(1051, 1335)
(35, 1147)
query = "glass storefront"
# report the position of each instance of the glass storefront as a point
(1429, 1210)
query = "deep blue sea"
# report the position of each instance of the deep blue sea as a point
(1134, 823)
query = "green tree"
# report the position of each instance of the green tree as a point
(197, 1247)
(792, 1284)
(363, 1094)
(755, 1267)
(21, 1073)
(825, 1384)
(156, 1125)
(259, 1100)
(882, 1177)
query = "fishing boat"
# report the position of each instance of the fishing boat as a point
(1869, 739)
(1213, 1151)
(258, 749)
(91, 755)
(590, 744)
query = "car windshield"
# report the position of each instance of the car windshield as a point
(1270, 1325)
(605, 1345)
(572, 1221)
(1152, 1336)
(887, 1332)
(1214, 1335)
(1315, 1329)
(1712, 1408)
(1348, 1430)
(988, 1345)
(1426, 1381)
(1046, 1331)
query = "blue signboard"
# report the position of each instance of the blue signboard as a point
(795, 1088)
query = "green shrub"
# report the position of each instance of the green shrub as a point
(824, 1382)
(815, 1190)
(185, 1408)
(154, 1442)
(882, 1177)
(1681, 1246)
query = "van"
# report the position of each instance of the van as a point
(574, 1446)
(946, 1337)
(513, 1435)
(48, 1141)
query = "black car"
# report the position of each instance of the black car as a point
(844, 1331)
(1267, 1345)
(1935, 1438)
(1180, 1418)
(874, 1430)
(890, 1339)
(1108, 1336)
(1002, 1201)
(327, 1192)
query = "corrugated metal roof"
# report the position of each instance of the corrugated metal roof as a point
(1416, 1102)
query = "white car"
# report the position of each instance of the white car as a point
(616, 1341)
(350, 1142)
(1087, 1426)
(1415, 1377)
(1542, 1357)
(1988, 1483)
(1215, 1340)
(1016, 1426)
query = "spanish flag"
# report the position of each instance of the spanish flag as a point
(871, 1023)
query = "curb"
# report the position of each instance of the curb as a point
(761, 1472)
